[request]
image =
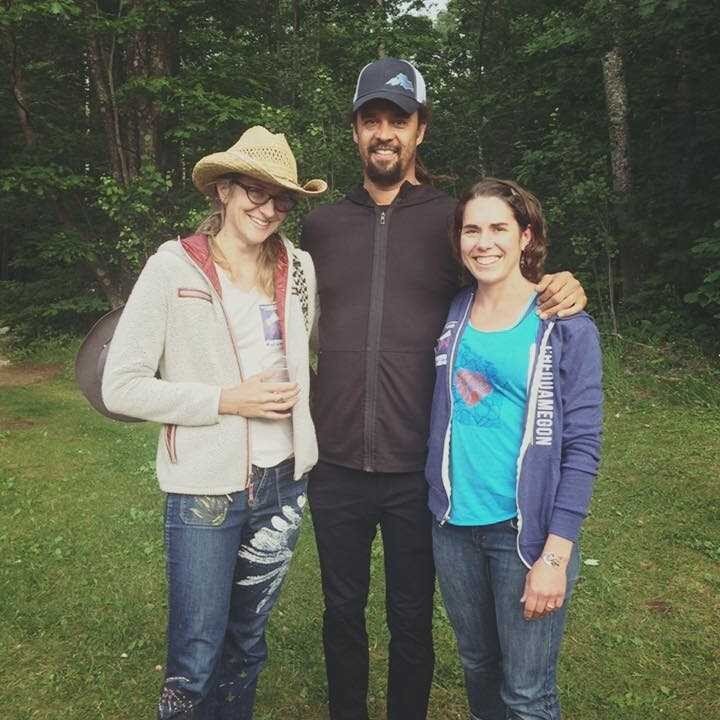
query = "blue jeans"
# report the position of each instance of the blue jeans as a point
(509, 662)
(227, 556)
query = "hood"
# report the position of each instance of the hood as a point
(197, 248)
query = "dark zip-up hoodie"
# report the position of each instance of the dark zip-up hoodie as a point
(560, 449)
(386, 277)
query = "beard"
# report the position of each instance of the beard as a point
(385, 175)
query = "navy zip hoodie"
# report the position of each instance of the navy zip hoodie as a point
(560, 449)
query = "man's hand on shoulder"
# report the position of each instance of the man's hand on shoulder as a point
(560, 294)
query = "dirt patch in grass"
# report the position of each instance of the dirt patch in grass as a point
(15, 423)
(658, 606)
(28, 374)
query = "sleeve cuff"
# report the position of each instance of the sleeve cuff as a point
(566, 524)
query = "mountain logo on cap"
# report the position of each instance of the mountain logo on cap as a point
(402, 79)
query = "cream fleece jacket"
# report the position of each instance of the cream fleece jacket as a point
(174, 322)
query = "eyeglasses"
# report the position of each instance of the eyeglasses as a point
(283, 201)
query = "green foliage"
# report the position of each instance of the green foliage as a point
(137, 210)
(52, 304)
(707, 250)
(516, 88)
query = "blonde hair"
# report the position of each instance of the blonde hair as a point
(270, 250)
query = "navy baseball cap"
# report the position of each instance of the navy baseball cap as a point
(391, 79)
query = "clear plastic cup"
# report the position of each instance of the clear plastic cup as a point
(279, 370)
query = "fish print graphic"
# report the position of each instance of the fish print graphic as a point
(472, 386)
(478, 402)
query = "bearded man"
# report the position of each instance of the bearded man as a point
(386, 276)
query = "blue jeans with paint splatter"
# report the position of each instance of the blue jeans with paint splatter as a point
(227, 556)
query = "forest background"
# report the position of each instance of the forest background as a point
(607, 109)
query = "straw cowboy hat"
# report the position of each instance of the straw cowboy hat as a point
(261, 154)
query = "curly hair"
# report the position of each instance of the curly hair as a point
(526, 210)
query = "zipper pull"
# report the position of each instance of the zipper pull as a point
(382, 217)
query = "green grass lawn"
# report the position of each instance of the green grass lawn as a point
(82, 607)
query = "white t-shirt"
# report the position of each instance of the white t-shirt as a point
(256, 328)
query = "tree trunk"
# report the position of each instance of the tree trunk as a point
(4, 258)
(112, 285)
(113, 290)
(617, 109)
(22, 108)
(160, 55)
(686, 126)
(481, 166)
(17, 87)
(135, 68)
(150, 57)
(617, 105)
(100, 73)
(140, 68)
(381, 46)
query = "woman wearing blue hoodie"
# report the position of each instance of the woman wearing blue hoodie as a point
(513, 453)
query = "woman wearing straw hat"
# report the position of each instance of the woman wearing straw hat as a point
(225, 316)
